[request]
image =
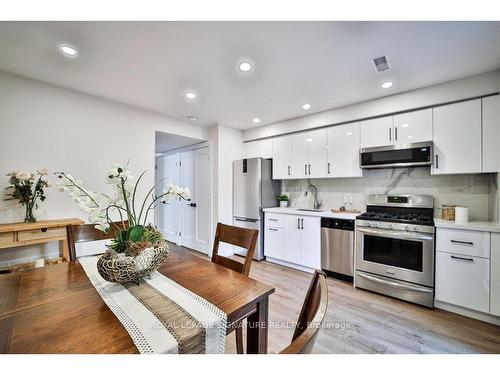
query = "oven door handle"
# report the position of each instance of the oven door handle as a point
(394, 284)
(396, 234)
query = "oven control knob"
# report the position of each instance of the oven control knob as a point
(407, 227)
(415, 229)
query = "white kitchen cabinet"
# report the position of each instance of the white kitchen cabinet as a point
(282, 157)
(292, 242)
(463, 281)
(309, 154)
(491, 134)
(413, 126)
(495, 274)
(377, 132)
(262, 148)
(343, 150)
(294, 239)
(273, 242)
(457, 138)
(310, 242)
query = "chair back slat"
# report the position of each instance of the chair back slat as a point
(311, 316)
(88, 233)
(242, 237)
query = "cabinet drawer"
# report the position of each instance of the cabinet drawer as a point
(463, 281)
(273, 243)
(6, 238)
(466, 242)
(275, 220)
(43, 233)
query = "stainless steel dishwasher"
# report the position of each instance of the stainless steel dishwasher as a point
(337, 247)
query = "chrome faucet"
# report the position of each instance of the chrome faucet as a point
(314, 190)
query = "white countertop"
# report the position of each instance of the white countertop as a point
(325, 213)
(484, 226)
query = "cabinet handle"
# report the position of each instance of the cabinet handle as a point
(302, 225)
(289, 170)
(461, 258)
(395, 133)
(437, 161)
(390, 134)
(273, 229)
(463, 242)
(298, 223)
(309, 168)
(273, 219)
(328, 168)
(305, 168)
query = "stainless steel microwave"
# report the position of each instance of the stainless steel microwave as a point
(400, 155)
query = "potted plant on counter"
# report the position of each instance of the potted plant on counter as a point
(28, 189)
(137, 248)
(283, 199)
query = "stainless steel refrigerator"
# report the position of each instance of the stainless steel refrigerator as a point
(253, 190)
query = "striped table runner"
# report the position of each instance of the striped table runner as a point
(160, 315)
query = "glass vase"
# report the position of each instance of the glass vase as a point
(29, 217)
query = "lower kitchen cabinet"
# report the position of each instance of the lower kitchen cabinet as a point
(495, 274)
(294, 239)
(463, 280)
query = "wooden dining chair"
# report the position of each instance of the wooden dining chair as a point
(311, 316)
(242, 237)
(88, 233)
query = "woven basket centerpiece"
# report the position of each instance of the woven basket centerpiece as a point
(121, 268)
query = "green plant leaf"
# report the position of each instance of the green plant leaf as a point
(136, 233)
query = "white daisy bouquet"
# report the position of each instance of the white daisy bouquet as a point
(122, 202)
(28, 189)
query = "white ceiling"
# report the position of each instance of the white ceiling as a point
(326, 64)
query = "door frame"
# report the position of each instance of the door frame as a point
(196, 146)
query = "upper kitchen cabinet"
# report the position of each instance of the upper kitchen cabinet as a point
(343, 150)
(491, 134)
(262, 148)
(309, 154)
(457, 138)
(377, 132)
(282, 157)
(413, 126)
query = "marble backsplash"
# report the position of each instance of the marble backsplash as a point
(478, 191)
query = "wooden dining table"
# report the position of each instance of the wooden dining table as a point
(57, 310)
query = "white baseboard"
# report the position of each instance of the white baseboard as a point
(290, 265)
(468, 312)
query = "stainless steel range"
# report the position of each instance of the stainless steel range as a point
(395, 247)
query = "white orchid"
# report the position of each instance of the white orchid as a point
(23, 176)
(43, 172)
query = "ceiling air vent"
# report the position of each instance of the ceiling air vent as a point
(381, 64)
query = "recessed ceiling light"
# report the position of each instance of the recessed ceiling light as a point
(68, 50)
(256, 120)
(192, 118)
(190, 95)
(245, 66)
(387, 85)
(306, 106)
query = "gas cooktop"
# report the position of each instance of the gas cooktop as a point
(413, 218)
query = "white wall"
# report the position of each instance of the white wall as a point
(465, 88)
(227, 146)
(42, 125)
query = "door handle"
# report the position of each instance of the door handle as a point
(463, 242)
(309, 168)
(302, 224)
(461, 258)
(191, 204)
(390, 134)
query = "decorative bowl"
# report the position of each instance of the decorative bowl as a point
(120, 268)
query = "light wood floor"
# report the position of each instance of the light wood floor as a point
(365, 322)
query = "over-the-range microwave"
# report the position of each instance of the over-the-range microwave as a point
(400, 155)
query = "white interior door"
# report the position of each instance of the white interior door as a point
(188, 210)
(202, 201)
(168, 168)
